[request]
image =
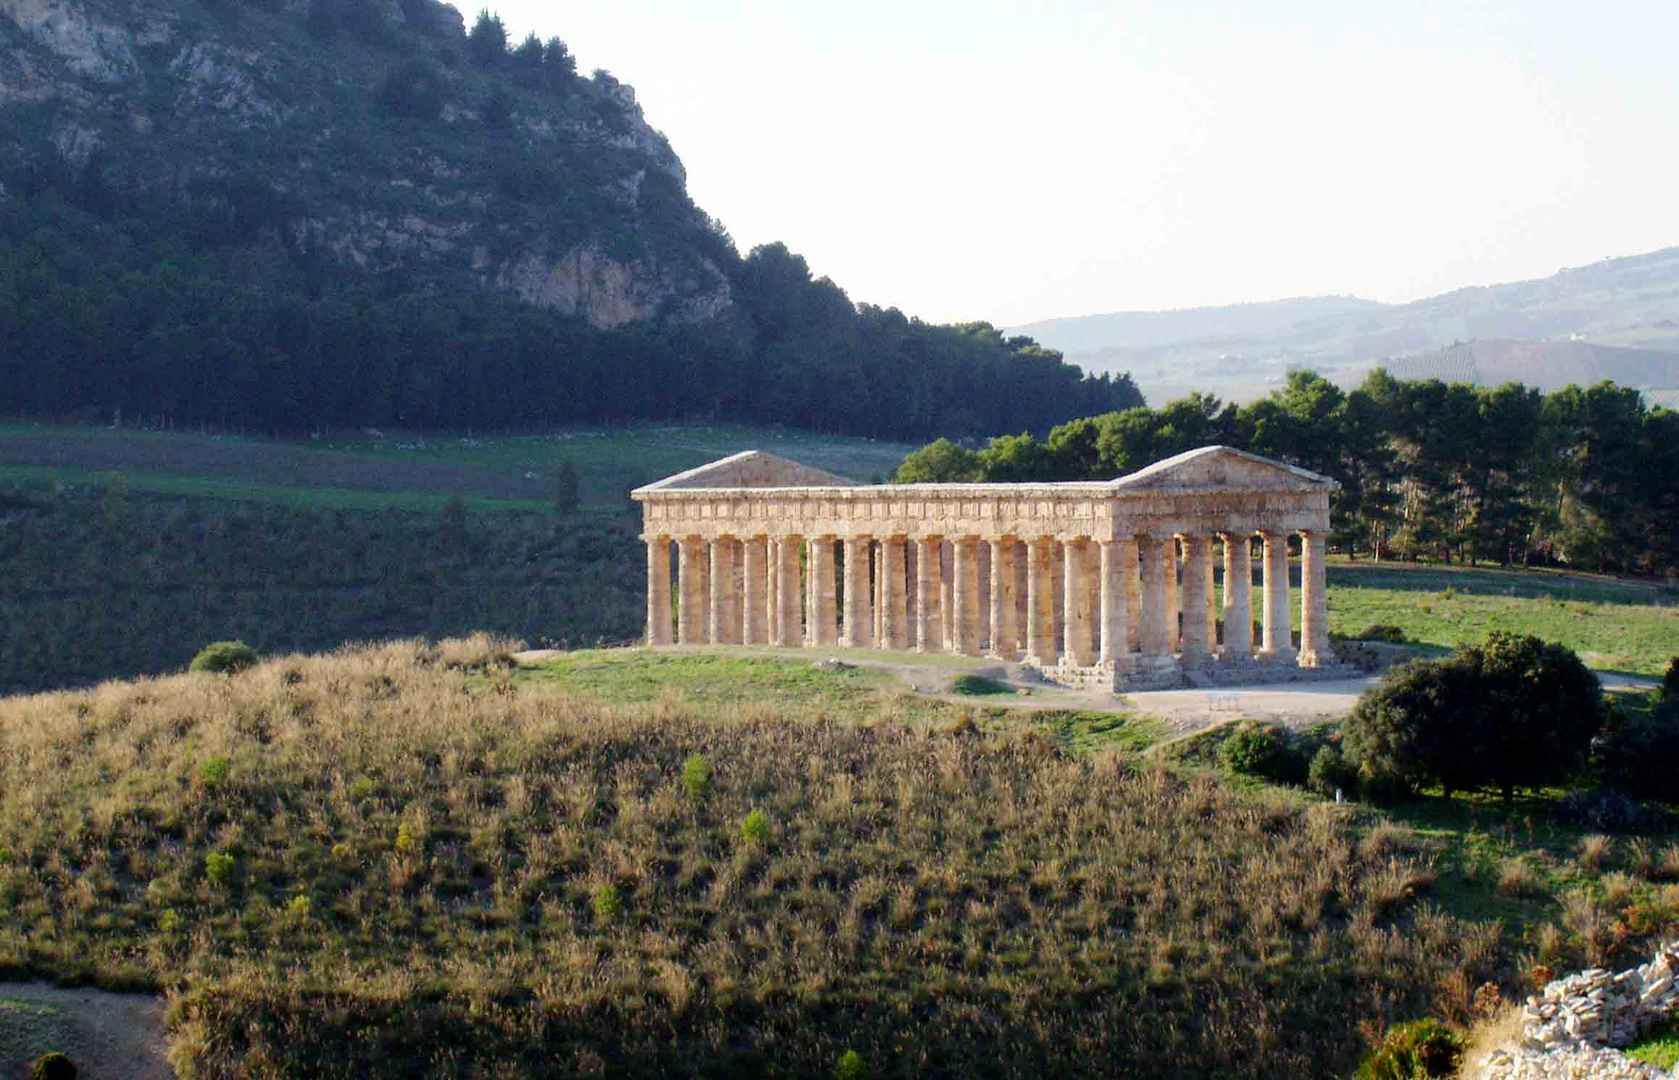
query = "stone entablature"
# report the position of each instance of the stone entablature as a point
(993, 569)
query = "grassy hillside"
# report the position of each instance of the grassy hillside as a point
(403, 860)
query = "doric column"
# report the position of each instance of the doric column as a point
(824, 589)
(789, 622)
(929, 619)
(1211, 593)
(1155, 552)
(1314, 600)
(1132, 569)
(1081, 650)
(658, 590)
(693, 610)
(1276, 644)
(772, 596)
(1238, 597)
(859, 598)
(893, 594)
(964, 616)
(1005, 628)
(1040, 601)
(1115, 605)
(877, 598)
(755, 593)
(947, 605)
(982, 561)
(1174, 595)
(1197, 561)
(1058, 598)
(725, 600)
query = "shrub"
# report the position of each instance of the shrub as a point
(1670, 681)
(1594, 850)
(1383, 632)
(755, 830)
(1639, 754)
(1330, 771)
(978, 686)
(224, 658)
(696, 776)
(1261, 750)
(1607, 810)
(53, 1066)
(1516, 877)
(169, 921)
(218, 867)
(1419, 1050)
(607, 903)
(413, 91)
(851, 1066)
(1512, 712)
(213, 772)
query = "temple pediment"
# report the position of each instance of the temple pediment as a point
(1220, 469)
(749, 469)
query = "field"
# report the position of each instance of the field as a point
(411, 860)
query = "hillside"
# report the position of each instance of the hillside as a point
(409, 861)
(299, 215)
(1550, 331)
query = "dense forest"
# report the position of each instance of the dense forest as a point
(217, 271)
(1507, 474)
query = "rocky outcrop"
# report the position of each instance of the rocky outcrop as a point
(236, 114)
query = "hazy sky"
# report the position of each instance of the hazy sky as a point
(1014, 161)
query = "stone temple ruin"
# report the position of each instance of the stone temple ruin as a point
(1092, 583)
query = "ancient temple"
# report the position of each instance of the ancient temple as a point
(1109, 583)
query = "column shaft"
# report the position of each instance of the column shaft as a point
(658, 591)
(772, 582)
(947, 606)
(725, 600)
(1152, 638)
(1076, 602)
(1005, 627)
(1314, 601)
(789, 621)
(1116, 611)
(894, 594)
(859, 595)
(1276, 641)
(693, 609)
(964, 616)
(1040, 601)
(1132, 569)
(929, 621)
(1238, 597)
(1197, 561)
(824, 587)
(755, 593)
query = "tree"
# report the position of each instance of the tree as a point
(413, 91)
(1511, 712)
(486, 42)
(559, 67)
(939, 462)
(566, 496)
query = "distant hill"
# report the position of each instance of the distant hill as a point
(1545, 364)
(1619, 315)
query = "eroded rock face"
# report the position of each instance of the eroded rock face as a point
(235, 106)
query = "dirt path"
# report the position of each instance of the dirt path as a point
(106, 1035)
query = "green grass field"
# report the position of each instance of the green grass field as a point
(362, 471)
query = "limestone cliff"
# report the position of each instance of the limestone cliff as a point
(367, 131)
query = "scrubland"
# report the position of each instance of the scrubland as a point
(402, 859)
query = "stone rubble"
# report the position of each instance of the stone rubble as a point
(1572, 1028)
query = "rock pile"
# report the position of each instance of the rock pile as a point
(1571, 1027)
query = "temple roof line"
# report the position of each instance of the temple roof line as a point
(1206, 468)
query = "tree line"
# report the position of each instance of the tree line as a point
(155, 313)
(1587, 477)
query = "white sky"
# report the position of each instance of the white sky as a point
(1015, 160)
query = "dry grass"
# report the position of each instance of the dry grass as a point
(1595, 850)
(421, 869)
(1517, 877)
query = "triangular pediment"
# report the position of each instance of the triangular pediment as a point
(750, 469)
(1221, 468)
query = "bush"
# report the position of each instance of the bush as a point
(851, 1066)
(1383, 632)
(224, 658)
(1670, 681)
(218, 868)
(1512, 712)
(755, 830)
(53, 1066)
(978, 686)
(414, 91)
(607, 903)
(213, 773)
(1640, 754)
(1420, 1050)
(1330, 771)
(1262, 750)
(1609, 811)
(696, 776)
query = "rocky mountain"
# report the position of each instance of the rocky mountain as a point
(1617, 319)
(370, 132)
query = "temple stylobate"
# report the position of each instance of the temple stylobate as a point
(1093, 583)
